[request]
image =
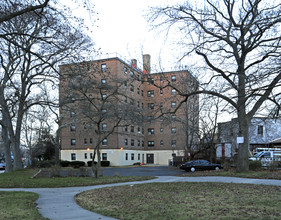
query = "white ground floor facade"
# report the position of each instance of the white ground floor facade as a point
(124, 157)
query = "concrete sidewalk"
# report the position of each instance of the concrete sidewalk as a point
(59, 203)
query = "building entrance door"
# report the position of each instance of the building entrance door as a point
(150, 158)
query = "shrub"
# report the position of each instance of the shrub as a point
(137, 164)
(89, 163)
(105, 163)
(275, 165)
(64, 163)
(77, 164)
(44, 163)
(255, 165)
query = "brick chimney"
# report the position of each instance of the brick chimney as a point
(146, 63)
(134, 63)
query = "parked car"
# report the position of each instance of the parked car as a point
(2, 165)
(200, 165)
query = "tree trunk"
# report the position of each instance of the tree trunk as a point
(57, 147)
(7, 150)
(17, 155)
(243, 148)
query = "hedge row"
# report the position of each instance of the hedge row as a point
(77, 164)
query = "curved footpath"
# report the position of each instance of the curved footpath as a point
(58, 203)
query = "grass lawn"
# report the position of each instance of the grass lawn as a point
(150, 200)
(22, 205)
(19, 205)
(185, 201)
(260, 174)
(23, 179)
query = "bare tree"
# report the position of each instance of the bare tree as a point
(240, 44)
(28, 62)
(8, 12)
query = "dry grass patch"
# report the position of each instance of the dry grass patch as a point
(19, 205)
(185, 201)
(260, 174)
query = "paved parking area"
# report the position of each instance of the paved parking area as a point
(142, 171)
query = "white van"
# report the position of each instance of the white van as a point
(267, 157)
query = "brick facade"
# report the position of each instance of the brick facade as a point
(147, 95)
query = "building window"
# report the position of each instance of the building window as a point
(126, 156)
(103, 81)
(126, 128)
(73, 156)
(150, 118)
(89, 67)
(85, 125)
(126, 141)
(72, 114)
(104, 127)
(103, 110)
(174, 92)
(150, 131)
(132, 156)
(150, 143)
(161, 130)
(173, 130)
(138, 104)
(104, 142)
(173, 143)
(161, 143)
(104, 96)
(174, 79)
(132, 88)
(150, 93)
(91, 155)
(141, 92)
(73, 99)
(103, 67)
(173, 104)
(132, 129)
(72, 128)
(150, 106)
(125, 84)
(161, 104)
(138, 143)
(142, 105)
(150, 81)
(131, 73)
(260, 130)
(91, 140)
(85, 141)
(132, 142)
(104, 156)
(142, 143)
(125, 70)
(138, 156)
(73, 142)
(161, 91)
(85, 156)
(138, 91)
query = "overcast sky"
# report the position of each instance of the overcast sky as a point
(122, 28)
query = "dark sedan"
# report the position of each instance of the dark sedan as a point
(200, 165)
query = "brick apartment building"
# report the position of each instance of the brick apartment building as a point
(136, 115)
